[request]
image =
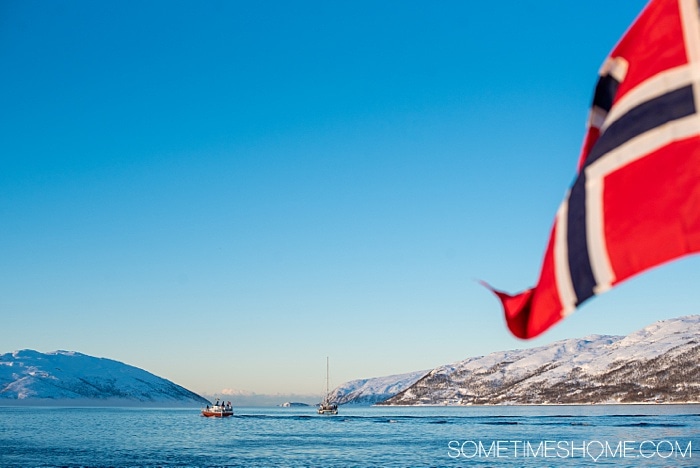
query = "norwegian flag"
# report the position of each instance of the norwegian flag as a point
(636, 200)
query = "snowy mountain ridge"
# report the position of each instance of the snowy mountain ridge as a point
(28, 376)
(660, 363)
(374, 390)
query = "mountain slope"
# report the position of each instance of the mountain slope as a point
(660, 363)
(375, 390)
(32, 376)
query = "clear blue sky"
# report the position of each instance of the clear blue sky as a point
(225, 193)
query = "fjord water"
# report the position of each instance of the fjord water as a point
(536, 436)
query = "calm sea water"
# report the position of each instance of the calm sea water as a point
(362, 437)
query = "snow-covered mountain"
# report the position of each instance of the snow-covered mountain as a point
(660, 363)
(375, 390)
(64, 376)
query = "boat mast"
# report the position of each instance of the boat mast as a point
(327, 372)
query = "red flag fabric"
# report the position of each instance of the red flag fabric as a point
(635, 202)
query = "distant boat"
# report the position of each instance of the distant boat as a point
(326, 407)
(218, 410)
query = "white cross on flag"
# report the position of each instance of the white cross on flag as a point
(635, 202)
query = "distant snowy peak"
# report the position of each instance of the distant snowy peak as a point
(660, 363)
(375, 390)
(29, 375)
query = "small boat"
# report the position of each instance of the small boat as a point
(219, 410)
(326, 407)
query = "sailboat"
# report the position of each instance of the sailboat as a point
(326, 407)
